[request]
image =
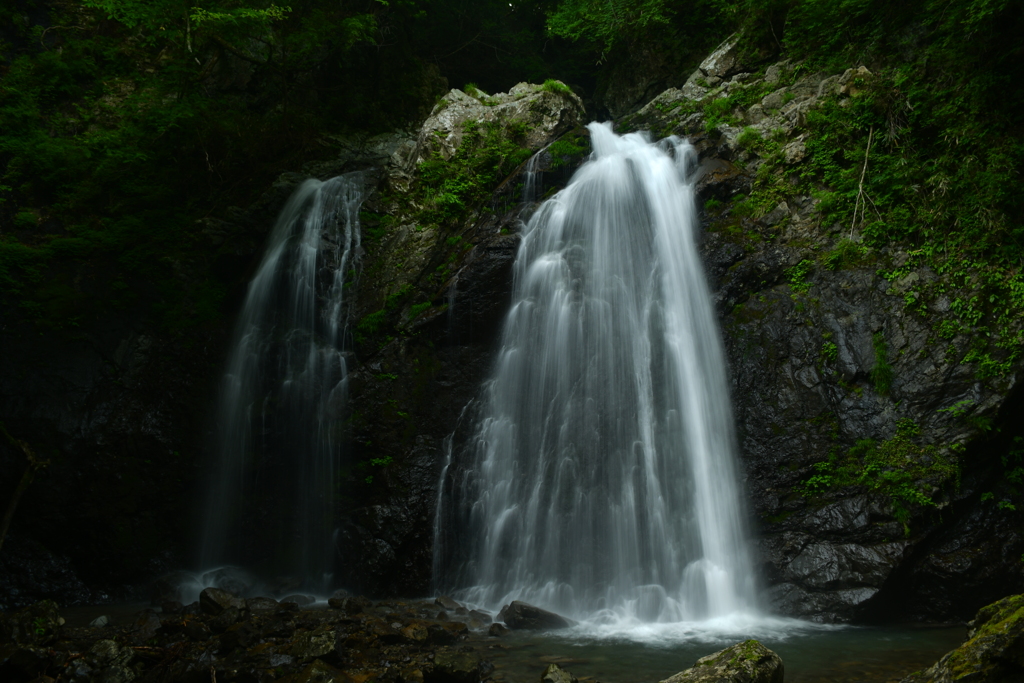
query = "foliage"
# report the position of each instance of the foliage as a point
(898, 469)
(567, 149)
(797, 275)
(829, 351)
(449, 188)
(551, 85)
(882, 373)
(606, 23)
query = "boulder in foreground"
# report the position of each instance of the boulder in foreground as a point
(746, 662)
(993, 653)
(521, 615)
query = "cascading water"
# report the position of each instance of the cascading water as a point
(271, 500)
(600, 481)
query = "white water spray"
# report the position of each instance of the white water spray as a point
(601, 478)
(284, 393)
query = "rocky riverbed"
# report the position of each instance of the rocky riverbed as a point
(222, 637)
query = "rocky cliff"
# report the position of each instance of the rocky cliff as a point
(874, 395)
(873, 438)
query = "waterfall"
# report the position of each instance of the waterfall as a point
(600, 479)
(271, 501)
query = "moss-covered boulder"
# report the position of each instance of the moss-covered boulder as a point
(746, 662)
(993, 653)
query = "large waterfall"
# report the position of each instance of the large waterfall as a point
(600, 480)
(271, 504)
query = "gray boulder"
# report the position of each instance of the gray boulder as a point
(523, 616)
(213, 601)
(746, 662)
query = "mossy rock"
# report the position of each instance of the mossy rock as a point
(993, 653)
(746, 662)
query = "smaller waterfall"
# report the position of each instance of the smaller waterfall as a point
(271, 502)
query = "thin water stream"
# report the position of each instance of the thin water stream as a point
(271, 500)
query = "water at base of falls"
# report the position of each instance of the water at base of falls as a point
(270, 503)
(600, 479)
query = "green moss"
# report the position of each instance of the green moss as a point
(797, 275)
(882, 373)
(845, 254)
(448, 190)
(568, 149)
(998, 629)
(551, 85)
(898, 469)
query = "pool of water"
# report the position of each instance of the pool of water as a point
(811, 653)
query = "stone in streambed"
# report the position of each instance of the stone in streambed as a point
(213, 601)
(22, 663)
(447, 603)
(481, 616)
(262, 605)
(313, 644)
(746, 662)
(556, 674)
(300, 600)
(319, 672)
(225, 620)
(349, 605)
(520, 615)
(37, 624)
(498, 630)
(993, 653)
(451, 666)
(146, 624)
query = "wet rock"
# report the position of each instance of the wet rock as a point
(480, 615)
(172, 607)
(451, 666)
(225, 620)
(146, 624)
(195, 630)
(415, 632)
(37, 624)
(240, 635)
(110, 662)
(300, 600)
(447, 603)
(319, 672)
(22, 663)
(556, 674)
(349, 605)
(520, 615)
(498, 630)
(993, 653)
(746, 662)
(448, 632)
(313, 644)
(213, 601)
(100, 621)
(262, 605)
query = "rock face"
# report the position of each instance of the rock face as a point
(746, 662)
(431, 298)
(993, 653)
(834, 365)
(520, 615)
